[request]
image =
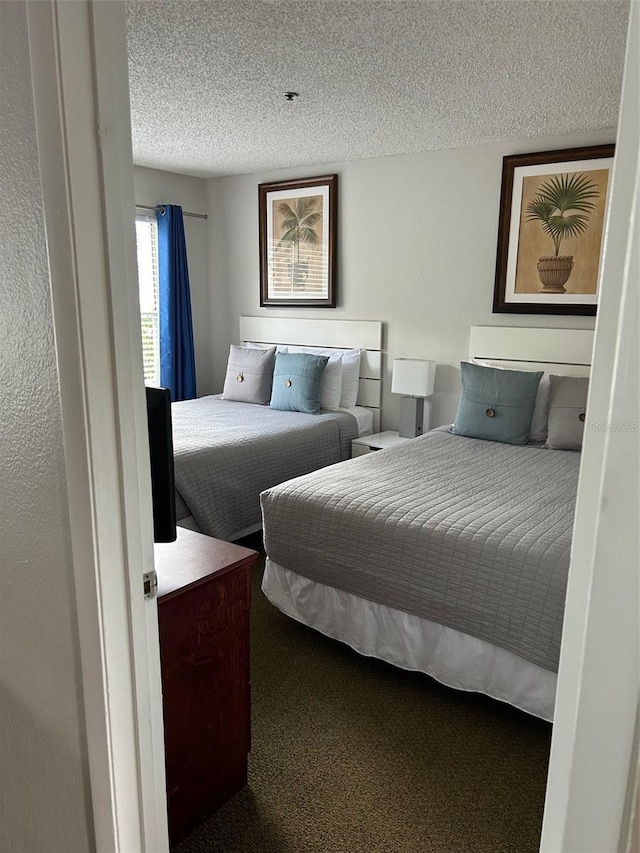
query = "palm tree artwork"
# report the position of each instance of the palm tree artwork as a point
(299, 220)
(563, 205)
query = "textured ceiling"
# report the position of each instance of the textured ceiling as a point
(375, 78)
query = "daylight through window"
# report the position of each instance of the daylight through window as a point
(147, 243)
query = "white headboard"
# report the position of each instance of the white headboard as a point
(566, 351)
(339, 334)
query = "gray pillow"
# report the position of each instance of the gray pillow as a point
(496, 405)
(567, 410)
(249, 375)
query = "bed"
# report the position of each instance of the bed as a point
(446, 554)
(227, 452)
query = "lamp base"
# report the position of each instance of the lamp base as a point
(412, 417)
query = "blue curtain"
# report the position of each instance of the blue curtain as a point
(177, 359)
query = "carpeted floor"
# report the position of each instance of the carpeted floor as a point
(350, 755)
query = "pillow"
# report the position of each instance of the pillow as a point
(249, 375)
(331, 385)
(350, 371)
(296, 382)
(253, 345)
(540, 419)
(541, 410)
(567, 408)
(496, 404)
(350, 377)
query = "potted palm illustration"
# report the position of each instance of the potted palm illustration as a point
(562, 205)
(298, 226)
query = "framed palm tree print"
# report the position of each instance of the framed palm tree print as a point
(553, 207)
(297, 242)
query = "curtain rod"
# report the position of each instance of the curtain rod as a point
(161, 208)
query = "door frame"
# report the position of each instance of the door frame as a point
(78, 57)
(594, 748)
(81, 98)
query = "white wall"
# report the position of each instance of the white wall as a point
(416, 248)
(45, 803)
(154, 187)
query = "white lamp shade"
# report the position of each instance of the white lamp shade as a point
(413, 376)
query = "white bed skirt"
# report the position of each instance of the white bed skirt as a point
(451, 657)
(191, 524)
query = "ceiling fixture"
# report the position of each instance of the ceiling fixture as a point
(291, 95)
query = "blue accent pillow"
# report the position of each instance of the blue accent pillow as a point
(296, 382)
(496, 405)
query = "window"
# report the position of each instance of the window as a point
(147, 243)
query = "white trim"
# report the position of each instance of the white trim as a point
(114, 123)
(79, 73)
(599, 675)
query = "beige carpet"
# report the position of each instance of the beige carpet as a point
(351, 755)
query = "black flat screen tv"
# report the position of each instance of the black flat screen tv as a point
(162, 474)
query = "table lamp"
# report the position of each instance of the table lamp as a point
(414, 377)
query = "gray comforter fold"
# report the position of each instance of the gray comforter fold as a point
(226, 453)
(472, 534)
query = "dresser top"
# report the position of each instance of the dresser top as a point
(193, 558)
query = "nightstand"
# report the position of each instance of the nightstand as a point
(378, 441)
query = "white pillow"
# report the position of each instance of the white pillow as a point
(331, 384)
(350, 377)
(252, 345)
(350, 371)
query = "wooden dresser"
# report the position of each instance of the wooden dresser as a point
(204, 595)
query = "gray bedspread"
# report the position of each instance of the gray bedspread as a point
(226, 453)
(471, 534)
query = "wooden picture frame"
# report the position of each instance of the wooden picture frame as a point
(297, 223)
(553, 207)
